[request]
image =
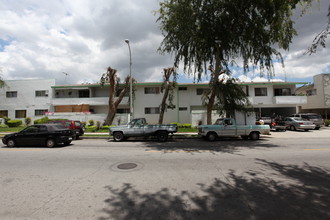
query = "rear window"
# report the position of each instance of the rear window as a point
(56, 127)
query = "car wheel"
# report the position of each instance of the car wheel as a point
(212, 136)
(254, 136)
(77, 137)
(50, 143)
(292, 128)
(11, 143)
(118, 136)
(162, 136)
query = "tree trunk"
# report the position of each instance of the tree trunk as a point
(163, 104)
(111, 103)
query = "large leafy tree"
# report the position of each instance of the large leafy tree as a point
(167, 88)
(111, 77)
(220, 32)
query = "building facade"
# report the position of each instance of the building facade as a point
(84, 102)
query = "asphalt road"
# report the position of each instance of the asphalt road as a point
(282, 176)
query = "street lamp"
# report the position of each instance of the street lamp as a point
(131, 110)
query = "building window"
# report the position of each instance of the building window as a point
(3, 113)
(183, 109)
(20, 114)
(11, 94)
(183, 88)
(83, 93)
(42, 93)
(282, 92)
(122, 110)
(311, 92)
(260, 91)
(151, 90)
(151, 110)
(201, 91)
(39, 112)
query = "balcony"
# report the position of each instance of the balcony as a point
(296, 100)
(79, 101)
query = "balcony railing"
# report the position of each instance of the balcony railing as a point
(80, 101)
(290, 100)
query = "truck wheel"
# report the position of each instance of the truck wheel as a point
(162, 136)
(50, 143)
(118, 136)
(212, 136)
(11, 143)
(254, 136)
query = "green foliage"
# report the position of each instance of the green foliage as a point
(181, 125)
(327, 122)
(186, 125)
(4, 126)
(6, 119)
(14, 123)
(177, 124)
(98, 124)
(41, 120)
(91, 122)
(28, 121)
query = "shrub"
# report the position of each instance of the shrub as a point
(3, 126)
(14, 123)
(91, 122)
(27, 121)
(6, 119)
(327, 122)
(41, 120)
(186, 125)
(177, 124)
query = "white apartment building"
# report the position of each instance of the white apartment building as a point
(37, 98)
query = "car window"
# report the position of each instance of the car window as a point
(77, 123)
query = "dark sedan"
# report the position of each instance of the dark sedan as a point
(40, 134)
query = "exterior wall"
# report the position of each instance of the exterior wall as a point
(26, 96)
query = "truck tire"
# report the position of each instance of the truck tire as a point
(211, 136)
(118, 136)
(254, 136)
(162, 136)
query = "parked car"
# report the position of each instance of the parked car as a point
(138, 128)
(75, 126)
(40, 134)
(313, 117)
(296, 123)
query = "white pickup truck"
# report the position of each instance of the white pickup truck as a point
(226, 127)
(138, 127)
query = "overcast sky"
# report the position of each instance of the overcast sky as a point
(45, 39)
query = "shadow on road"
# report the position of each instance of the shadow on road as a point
(252, 196)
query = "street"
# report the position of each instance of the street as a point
(282, 176)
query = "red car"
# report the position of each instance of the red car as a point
(76, 126)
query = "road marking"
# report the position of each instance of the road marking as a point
(10, 149)
(316, 149)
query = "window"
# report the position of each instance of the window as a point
(151, 110)
(3, 113)
(39, 112)
(151, 90)
(201, 91)
(83, 93)
(41, 93)
(20, 114)
(282, 92)
(183, 88)
(260, 91)
(11, 94)
(183, 109)
(118, 91)
(311, 92)
(123, 110)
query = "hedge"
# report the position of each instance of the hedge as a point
(14, 123)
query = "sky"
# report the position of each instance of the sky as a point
(74, 41)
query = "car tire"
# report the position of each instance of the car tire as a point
(50, 143)
(254, 136)
(11, 143)
(162, 136)
(212, 136)
(292, 128)
(118, 136)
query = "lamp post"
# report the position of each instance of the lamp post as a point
(131, 111)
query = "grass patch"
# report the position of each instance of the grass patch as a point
(14, 129)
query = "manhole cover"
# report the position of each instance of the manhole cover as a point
(127, 166)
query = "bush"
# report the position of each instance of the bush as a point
(41, 120)
(186, 125)
(91, 122)
(3, 126)
(327, 122)
(6, 119)
(177, 124)
(27, 121)
(14, 123)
